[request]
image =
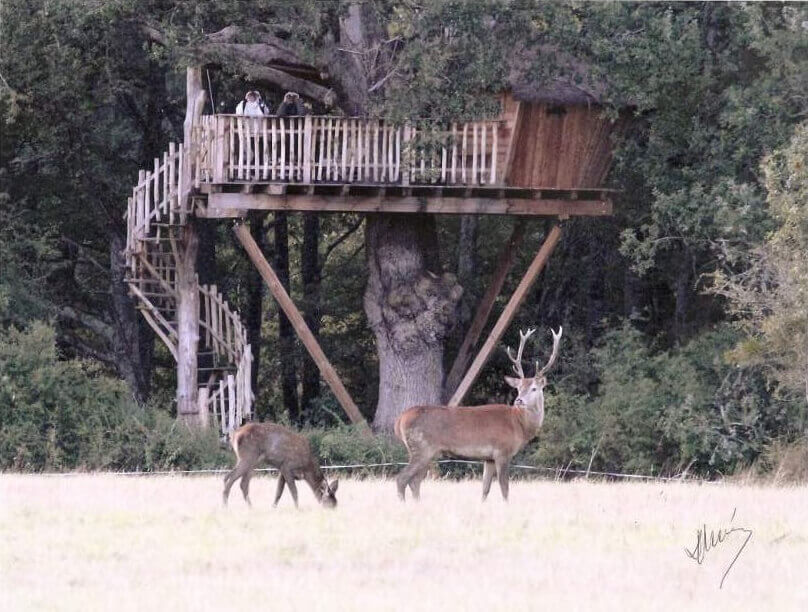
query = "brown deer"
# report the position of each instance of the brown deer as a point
(283, 449)
(493, 433)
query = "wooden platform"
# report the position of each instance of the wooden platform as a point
(228, 200)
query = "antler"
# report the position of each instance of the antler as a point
(554, 354)
(517, 361)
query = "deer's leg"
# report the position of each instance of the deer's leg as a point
(245, 486)
(415, 483)
(488, 476)
(416, 466)
(279, 490)
(242, 467)
(502, 464)
(290, 482)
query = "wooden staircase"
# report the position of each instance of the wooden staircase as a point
(157, 214)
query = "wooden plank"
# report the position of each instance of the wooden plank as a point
(274, 145)
(504, 264)
(172, 348)
(231, 401)
(307, 139)
(166, 185)
(406, 156)
(204, 319)
(300, 147)
(515, 128)
(474, 158)
(247, 382)
(156, 186)
(494, 153)
(265, 158)
(454, 153)
(463, 155)
(282, 129)
(222, 394)
(225, 205)
(299, 324)
(504, 320)
(172, 181)
(482, 177)
(151, 308)
(397, 156)
(344, 160)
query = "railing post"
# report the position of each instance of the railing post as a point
(202, 401)
(405, 155)
(219, 147)
(231, 403)
(307, 136)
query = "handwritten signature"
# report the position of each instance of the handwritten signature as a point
(705, 542)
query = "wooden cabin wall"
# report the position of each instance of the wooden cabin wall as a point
(562, 147)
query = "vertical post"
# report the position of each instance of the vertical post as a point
(187, 325)
(505, 318)
(202, 400)
(406, 156)
(231, 402)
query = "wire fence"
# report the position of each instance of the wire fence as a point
(559, 472)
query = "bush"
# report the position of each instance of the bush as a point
(346, 445)
(63, 415)
(660, 412)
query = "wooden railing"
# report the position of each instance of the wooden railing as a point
(226, 337)
(156, 198)
(160, 204)
(315, 149)
(230, 402)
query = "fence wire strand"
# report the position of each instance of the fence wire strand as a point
(558, 471)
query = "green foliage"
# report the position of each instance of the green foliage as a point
(768, 287)
(345, 445)
(62, 415)
(665, 411)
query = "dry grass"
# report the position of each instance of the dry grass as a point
(105, 542)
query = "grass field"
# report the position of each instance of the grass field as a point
(106, 542)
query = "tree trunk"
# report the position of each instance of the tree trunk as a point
(187, 326)
(410, 308)
(286, 334)
(254, 312)
(133, 339)
(310, 269)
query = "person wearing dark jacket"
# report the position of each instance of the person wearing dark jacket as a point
(291, 105)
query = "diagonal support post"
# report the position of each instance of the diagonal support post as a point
(504, 264)
(296, 319)
(505, 318)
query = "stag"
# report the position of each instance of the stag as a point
(492, 433)
(283, 449)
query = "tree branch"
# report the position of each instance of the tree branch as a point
(288, 82)
(341, 239)
(88, 321)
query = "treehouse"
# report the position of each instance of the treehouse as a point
(543, 156)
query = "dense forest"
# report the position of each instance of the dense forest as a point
(684, 314)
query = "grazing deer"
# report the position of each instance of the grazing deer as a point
(493, 433)
(283, 449)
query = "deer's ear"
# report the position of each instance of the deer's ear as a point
(513, 382)
(334, 486)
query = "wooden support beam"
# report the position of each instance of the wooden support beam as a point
(225, 205)
(504, 264)
(505, 318)
(299, 324)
